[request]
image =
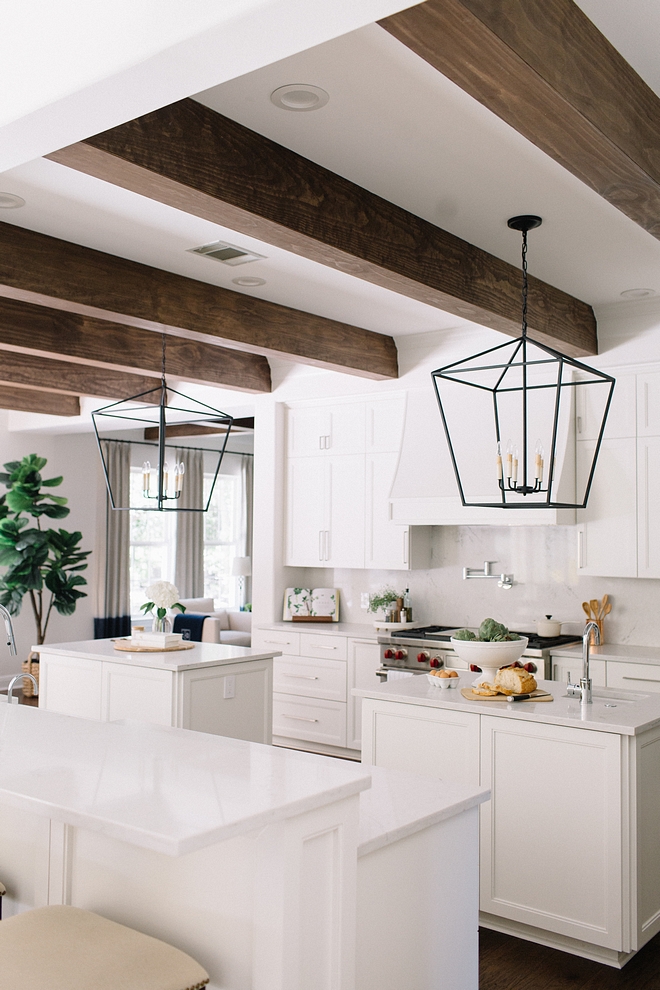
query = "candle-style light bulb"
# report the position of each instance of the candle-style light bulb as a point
(514, 477)
(509, 460)
(146, 478)
(166, 477)
(499, 460)
(538, 461)
(179, 471)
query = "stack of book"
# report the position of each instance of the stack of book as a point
(163, 640)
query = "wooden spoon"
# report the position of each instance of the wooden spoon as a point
(594, 607)
(587, 610)
(607, 609)
(603, 606)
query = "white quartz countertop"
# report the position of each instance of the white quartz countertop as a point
(626, 654)
(356, 630)
(399, 804)
(623, 712)
(169, 790)
(201, 655)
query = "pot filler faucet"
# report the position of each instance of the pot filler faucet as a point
(583, 689)
(11, 642)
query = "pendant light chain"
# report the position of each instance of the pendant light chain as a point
(524, 285)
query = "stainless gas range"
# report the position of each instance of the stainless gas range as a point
(416, 651)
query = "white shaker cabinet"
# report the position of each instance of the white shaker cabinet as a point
(648, 404)
(320, 430)
(388, 545)
(607, 528)
(568, 670)
(363, 662)
(633, 676)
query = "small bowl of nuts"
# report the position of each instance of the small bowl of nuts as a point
(443, 678)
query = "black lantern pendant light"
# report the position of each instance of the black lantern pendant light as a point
(509, 415)
(159, 410)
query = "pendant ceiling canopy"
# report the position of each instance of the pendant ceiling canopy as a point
(509, 415)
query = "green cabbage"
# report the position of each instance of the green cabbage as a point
(491, 631)
(464, 634)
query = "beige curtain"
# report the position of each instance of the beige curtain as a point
(189, 566)
(113, 609)
(246, 514)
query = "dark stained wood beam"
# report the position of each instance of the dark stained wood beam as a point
(196, 160)
(54, 333)
(46, 403)
(197, 430)
(38, 373)
(51, 272)
(545, 69)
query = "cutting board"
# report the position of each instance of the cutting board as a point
(537, 695)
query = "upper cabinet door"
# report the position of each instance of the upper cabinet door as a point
(346, 428)
(307, 430)
(607, 534)
(384, 424)
(648, 405)
(305, 512)
(648, 486)
(621, 421)
(345, 501)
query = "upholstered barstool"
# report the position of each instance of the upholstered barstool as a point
(66, 948)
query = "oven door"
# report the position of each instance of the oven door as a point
(396, 673)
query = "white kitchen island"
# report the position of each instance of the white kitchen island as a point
(243, 855)
(227, 690)
(569, 841)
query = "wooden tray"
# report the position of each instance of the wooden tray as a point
(311, 618)
(537, 695)
(128, 646)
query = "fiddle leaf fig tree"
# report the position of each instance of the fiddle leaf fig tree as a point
(42, 563)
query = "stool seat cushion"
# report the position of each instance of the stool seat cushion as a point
(66, 948)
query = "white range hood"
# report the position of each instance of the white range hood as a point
(425, 493)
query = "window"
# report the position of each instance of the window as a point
(153, 541)
(222, 524)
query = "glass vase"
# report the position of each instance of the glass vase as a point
(163, 625)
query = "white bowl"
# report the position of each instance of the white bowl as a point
(489, 656)
(443, 682)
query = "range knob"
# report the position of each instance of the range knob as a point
(436, 662)
(388, 654)
(401, 654)
(423, 657)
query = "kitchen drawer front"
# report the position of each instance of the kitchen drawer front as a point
(325, 647)
(310, 678)
(317, 721)
(633, 676)
(281, 641)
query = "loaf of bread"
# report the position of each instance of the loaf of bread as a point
(515, 680)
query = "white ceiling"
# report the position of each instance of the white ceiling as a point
(397, 127)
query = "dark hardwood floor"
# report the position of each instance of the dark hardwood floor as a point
(507, 963)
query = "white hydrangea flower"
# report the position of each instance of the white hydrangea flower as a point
(163, 594)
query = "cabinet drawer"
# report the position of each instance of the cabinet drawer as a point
(281, 641)
(633, 676)
(310, 678)
(326, 647)
(318, 721)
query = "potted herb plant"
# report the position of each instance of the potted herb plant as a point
(380, 600)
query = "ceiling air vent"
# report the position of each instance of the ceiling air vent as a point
(228, 254)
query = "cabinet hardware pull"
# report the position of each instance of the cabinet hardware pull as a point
(650, 680)
(580, 548)
(320, 544)
(277, 642)
(406, 533)
(320, 646)
(327, 544)
(302, 677)
(301, 718)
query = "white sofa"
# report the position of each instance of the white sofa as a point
(233, 628)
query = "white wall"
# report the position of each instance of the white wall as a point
(543, 559)
(73, 456)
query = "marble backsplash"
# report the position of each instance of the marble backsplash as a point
(543, 562)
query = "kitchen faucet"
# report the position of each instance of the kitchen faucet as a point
(19, 677)
(11, 642)
(583, 689)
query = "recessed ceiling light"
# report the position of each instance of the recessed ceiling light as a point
(299, 96)
(637, 293)
(8, 201)
(249, 281)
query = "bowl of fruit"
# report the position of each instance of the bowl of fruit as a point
(489, 649)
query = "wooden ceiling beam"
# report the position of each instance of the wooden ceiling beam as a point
(53, 333)
(51, 272)
(545, 69)
(46, 403)
(198, 161)
(41, 374)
